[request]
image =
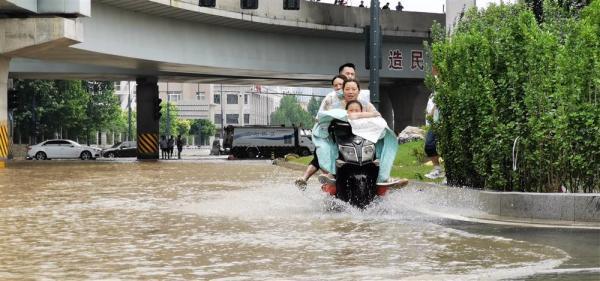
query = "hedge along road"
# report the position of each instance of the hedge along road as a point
(212, 219)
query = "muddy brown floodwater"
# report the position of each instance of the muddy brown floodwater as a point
(244, 220)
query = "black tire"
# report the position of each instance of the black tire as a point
(252, 153)
(110, 155)
(85, 155)
(237, 153)
(40, 156)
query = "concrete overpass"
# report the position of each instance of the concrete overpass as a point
(176, 40)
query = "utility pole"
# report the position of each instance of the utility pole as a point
(129, 112)
(375, 55)
(168, 111)
(222, 117)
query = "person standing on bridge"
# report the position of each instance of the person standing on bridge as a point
(399, 7)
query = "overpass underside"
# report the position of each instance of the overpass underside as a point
(175, 40)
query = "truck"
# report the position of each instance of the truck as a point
(267, 141)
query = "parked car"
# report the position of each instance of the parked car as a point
(121, 149)
(52, 149)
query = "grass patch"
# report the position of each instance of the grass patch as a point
(408, 163)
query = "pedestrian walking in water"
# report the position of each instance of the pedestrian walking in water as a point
(170, 145)
(163, 147)
(179, 143)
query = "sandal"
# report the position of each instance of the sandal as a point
(300, 183)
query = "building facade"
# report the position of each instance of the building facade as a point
(223, 105)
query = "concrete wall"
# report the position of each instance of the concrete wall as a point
(71, 7)
(408, 97)
(333, 15)
(124, 33)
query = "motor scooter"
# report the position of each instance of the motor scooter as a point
(357, 167)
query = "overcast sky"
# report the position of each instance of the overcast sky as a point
(431, 6)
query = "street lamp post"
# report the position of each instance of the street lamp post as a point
(375, 55)
(168, 111)
(222, 117)
(129, 112)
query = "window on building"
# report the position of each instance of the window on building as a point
(200, 96)
(217, 119)
(246, 99)
(217, 99)
(232, 99)
(246, 118)
(232, 118)
(117, 86)
(174, 95)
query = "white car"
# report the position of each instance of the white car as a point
(51, 149)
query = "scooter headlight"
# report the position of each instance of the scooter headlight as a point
(349, 153)
(368, 152)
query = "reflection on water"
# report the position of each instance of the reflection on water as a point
(233, 220)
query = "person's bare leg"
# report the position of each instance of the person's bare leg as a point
(301, 181)
(436, 172)
(435, 160)
(310, 171)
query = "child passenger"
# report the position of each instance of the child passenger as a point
(354, 107)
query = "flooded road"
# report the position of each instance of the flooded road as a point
(244, 220)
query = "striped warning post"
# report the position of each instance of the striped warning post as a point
(148, 144)
(4, 140)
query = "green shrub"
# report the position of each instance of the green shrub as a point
(506, 81)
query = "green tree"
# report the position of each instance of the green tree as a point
(313, 105)
(518, 99)
(173, 117)
(203, 129)
(35, 101)
(48, 108)
(183, 126)
(68, 113)
(102, 108)
(291, 113)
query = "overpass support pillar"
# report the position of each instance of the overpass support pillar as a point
(385, 106)
(408, 98)
(147, 124)
(4, 129)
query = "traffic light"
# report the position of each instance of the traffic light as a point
(13, 99)
(207, 3)
(249, 4)
(157, 108)
(291, 4)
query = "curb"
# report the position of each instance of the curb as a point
(557, 209)
(290, 165)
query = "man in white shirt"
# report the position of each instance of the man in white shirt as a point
(337, 96)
